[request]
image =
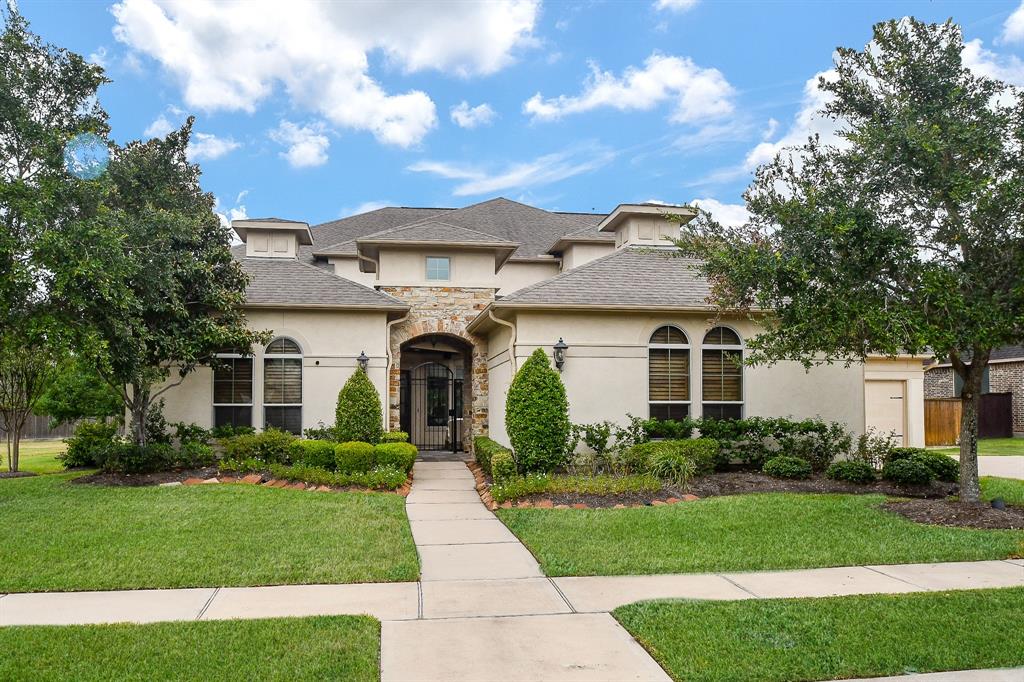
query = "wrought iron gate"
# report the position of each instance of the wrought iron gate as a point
(430, 407)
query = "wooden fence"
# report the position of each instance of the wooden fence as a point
(942, 418)
(39, 427)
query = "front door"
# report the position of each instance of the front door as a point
(431, 407)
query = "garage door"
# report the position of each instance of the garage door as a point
(885, 408)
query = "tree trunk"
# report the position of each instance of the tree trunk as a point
(16, 451)
(139, 410)
(970, 398)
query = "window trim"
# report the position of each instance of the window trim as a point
(741, 347)
(213, 385)
(426, 268)
(688, 347)
(302, 378)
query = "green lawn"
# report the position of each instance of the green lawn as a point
(338, 648)
(744, 533)
(992, 446)
(1010, 489)
(58, 535)
(831, 638)
(39, 456)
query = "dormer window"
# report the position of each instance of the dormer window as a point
(439, 269)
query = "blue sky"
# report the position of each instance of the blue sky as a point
(313, 111)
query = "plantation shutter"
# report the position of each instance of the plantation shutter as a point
(669, 374)
(282, 381)
(722, 375)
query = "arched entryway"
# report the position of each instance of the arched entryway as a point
(435, 388)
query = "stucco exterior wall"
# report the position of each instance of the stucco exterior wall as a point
(515, 275)
(349, 269)
(606, 370)
(408, 267)
(330, 341)
(577, 254)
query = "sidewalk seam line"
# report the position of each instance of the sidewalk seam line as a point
(419, 600)
(920, 587)
(737, 585)
(209, 601)
(562, 594)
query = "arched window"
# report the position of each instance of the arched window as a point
(668, 372)
(722, 374)
(282, 386)
(232, 389)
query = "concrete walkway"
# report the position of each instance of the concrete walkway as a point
(483, 609)
(1003, 466)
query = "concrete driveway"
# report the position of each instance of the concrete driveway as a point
(1002, 466)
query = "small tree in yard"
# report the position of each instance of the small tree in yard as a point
(907, 235)
(25, 373)
(537, 416)
(358, 416)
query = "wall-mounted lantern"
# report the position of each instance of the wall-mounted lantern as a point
(363, 361)
(560, 349)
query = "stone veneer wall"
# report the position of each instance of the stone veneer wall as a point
(442, 310)
(1008, 377)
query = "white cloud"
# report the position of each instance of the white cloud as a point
(209, 147)
(466, 116)
(99, 57)
(543, 170)
(232, 56)
(714, 135)
(159, 127)
(983, 62)
(1013, 27)
(675, 5)
(307, 145)
(237, 212)
(770, 129)
(730, 215)
(697, 93)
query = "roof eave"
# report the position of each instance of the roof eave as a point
(622, 210)
(386, 307)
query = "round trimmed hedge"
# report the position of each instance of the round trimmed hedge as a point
(785, 466)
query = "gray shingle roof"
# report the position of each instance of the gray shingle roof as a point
(286, 281)
(1001, 354)
(435, 231)
(632, 276)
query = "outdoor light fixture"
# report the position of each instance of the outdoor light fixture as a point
(560, 349)
(363, 360)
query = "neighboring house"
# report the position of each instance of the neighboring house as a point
(443, 305)
(1004, 374)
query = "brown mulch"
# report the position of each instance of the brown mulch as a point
(606, 501)
(740, 482)
(16, 474)
(155, 478)
(954, 513)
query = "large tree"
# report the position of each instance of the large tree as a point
(26, 369)
(155, 282)
(905, 236)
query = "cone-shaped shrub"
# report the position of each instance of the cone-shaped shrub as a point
(537, 416)
(358, 417)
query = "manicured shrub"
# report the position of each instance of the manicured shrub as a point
(353, 457)
(536, 484)
(271, 446)
(90, 444)
(754, 440)
(312, 453)
(669, 428)
(128, 458)
(853, 471)
(907, 472)
(191, 433)
(484, 449)
(641, 458)
(194, 454)
(378, 478)
(319, 432)
(637, 459)
(503, 467)
(672, 465)
(537, 416)
(394, 437)
(358, 416)
(873, 448)
(398, 455)
(228, 431)
(943, 467)
(784, 466)
(903, 453)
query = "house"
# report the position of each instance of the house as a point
(443, 305)
(1004, 374)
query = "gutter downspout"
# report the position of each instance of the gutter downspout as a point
(376, 265)
(387, 370)
(512, 340)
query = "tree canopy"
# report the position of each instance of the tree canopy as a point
(905, 236)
